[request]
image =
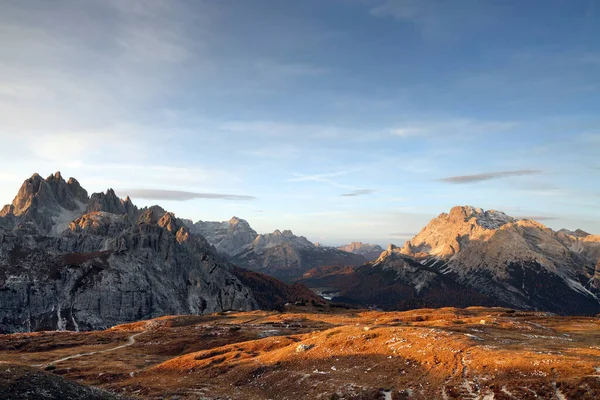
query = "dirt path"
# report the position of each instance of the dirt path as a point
(130, 341)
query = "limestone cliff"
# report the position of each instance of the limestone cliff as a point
(69, 261)
(280, 254)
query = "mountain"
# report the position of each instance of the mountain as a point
(69, 261)
(228, 237)
(369, 251)
(475, 257)
(45, 205)
(282, 255)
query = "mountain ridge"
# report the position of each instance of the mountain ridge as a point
(498, 259)
(74, 265)
(280, 253)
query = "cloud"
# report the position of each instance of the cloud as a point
(178, 195)
(359, 192)
(322, 178)
(488, 176)
(276, 129)
(454, 127)
(409, 131)
(537, 217)
(283, 151)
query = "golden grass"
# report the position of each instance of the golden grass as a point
(423, 354)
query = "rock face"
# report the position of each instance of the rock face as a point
(369, 251)
(228, 237)
(279, 254)
(69, 262)
(46, 205)
(475, 257)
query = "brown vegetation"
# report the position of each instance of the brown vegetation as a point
(332, 353)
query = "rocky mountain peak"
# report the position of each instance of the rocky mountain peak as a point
(235, 220)
(26, 194)
(170, 222)
(369, 251)
(578, 233)
(488, 219)
(228, 237)
(445, 235)
(52, 192)
(47, 205)
(151, 215)
(581, 233)
(77, 191)
(56, 177)
(238, 224)
(91, 257)
(110, 202)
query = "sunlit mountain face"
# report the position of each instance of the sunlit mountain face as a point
(359, 199)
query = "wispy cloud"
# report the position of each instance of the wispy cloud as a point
(322, 178)
(316, 177)
(297, 131)
(538, 217)
(409, 131)
(488, 176)
(454, 127)
(359, 192)
(284, 151)
(178, 195)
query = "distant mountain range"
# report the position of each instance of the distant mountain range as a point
(369, 251)
(79, 262)
(280, 254)
(73, 261)
(475, 257)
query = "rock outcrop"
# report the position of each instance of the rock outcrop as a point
(280, 254)
(369, 251)
(46, 205)
(475, 257)
(72, 262)
(229, 237)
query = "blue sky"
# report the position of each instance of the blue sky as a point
(339, 119)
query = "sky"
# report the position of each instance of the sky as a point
(341, 120)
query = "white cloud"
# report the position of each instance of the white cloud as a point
(461, 126)
(322, 178)
(317, 177)
(285, 152)
(408, 131)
